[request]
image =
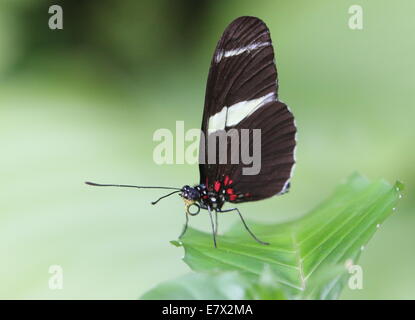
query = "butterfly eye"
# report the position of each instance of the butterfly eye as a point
(193, 209)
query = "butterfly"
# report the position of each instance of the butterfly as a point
(241, 98)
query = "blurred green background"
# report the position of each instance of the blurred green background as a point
(83, 103)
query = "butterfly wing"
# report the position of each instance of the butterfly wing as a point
(241, 94)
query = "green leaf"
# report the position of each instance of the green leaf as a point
(307, 256)
(201, 286)
(266, 288)
(217, 286)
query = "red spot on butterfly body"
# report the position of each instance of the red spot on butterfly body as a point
(217, 186)
(232, 197)
(229, 191)
(226, 180)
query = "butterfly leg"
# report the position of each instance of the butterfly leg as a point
(216, 222)
(245, 225)
(185, 226)
(213, 227)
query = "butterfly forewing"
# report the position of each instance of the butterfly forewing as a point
(241, 93)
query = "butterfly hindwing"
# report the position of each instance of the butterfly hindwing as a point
(277, 154)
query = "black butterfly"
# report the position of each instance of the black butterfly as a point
(241, 94)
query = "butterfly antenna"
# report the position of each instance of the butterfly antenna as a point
(167, 195)
(129, 186)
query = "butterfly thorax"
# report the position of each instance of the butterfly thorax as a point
(203, 196)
